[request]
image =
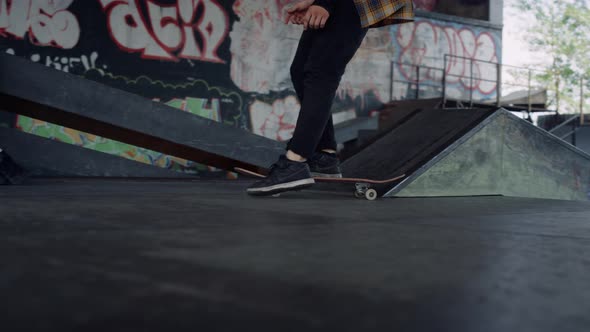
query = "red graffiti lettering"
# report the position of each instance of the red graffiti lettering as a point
(425, 42)
(168, 32)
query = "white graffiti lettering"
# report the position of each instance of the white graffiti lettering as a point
(262, 45)
(47, 22)
(276, 121)
(65, 64)
(171, 31)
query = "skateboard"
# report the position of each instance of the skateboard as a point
(363, 187)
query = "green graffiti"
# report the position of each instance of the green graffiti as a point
(197, 106)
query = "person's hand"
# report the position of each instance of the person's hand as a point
(315, 18)
(297, 18)
(296, 12)
(306, 14)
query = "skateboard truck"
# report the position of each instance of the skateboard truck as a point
(363, 190)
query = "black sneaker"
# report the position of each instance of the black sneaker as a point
(324, 165)
(284, 175)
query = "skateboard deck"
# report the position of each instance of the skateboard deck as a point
(363, 187)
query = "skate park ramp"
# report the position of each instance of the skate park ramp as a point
(391, 115)
(43, 157)
(33, 90)
(395, 112)
(473, 152)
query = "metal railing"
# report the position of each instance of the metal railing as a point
(517, 74)
(574, 125)
(448, 59)
(461, 78)
(416, 80)
(443, 79)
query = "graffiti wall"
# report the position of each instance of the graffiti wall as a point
(470, 69)
(224, 60)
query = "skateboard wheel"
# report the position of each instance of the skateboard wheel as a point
(359, 194)
(371, 194)
(276, 195)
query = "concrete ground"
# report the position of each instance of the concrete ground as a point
(114, 255)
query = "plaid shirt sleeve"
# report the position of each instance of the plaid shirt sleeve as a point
(377, 13)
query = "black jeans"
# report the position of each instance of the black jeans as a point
(320, 62)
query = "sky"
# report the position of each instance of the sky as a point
(514, 48)
(515, 51)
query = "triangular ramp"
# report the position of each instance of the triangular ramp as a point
(71, 101)
(497, 154)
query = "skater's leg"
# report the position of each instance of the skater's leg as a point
(330, 51)
(324, 161)
(327, 142)
(298, 67)
(333, 47)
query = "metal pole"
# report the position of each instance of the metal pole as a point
(444, 82)
(574, 130)
(417, 82)
(499, 85)
(392, 82)
(529, 93)
(471, 85)
(581, 101)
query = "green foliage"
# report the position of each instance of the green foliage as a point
(560, 31)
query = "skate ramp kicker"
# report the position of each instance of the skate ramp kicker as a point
(471, 152)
